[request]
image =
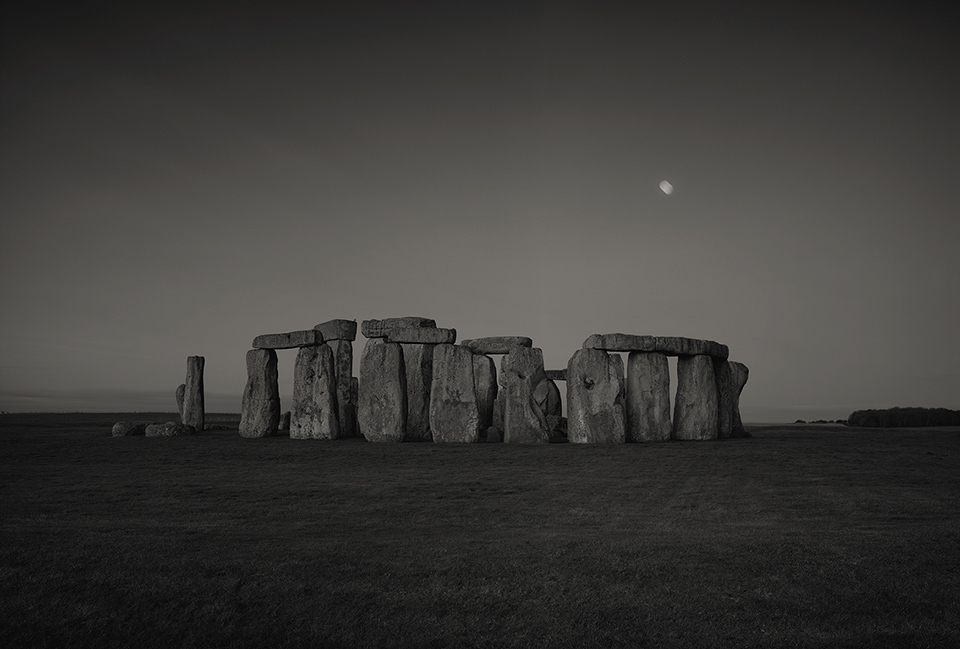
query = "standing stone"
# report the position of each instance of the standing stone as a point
(260, 410)
(355, 397)
(724, 378)
(181, 391)
(454, 416)
(547, 397)
(695, 410)
(498, 412)
(382, 403)
(418, 365)
(343, 370)
(485, 386)
(521, 372)
(193, 394)
(284, 421)
(738, 377)
(648, 397)
(314, 411)
(595, 412)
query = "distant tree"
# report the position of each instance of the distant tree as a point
(904, 418)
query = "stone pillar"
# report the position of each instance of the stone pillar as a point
(738, 376)
(648, 397)
(355, 395)
(193, 394)
(485, 386)
(418, 365)
(343, 371)
(313, 414)
(382, 402)
(595, 412)
(454, 416)
(260, 410)
(520, 373)
(695, 411)
(724, 378)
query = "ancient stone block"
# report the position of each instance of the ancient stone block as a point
(485, 386)
(291, 340)
(648, 397)
(595, 412)
(498, 410)
(260, 409)
(738, 377)
(379, 328)
(284, 421)
(724, 378)
(418, 365)
(382, 402)
(454, 416)
(547, 397)
(695, 407)
(520, 372)
(192, 414)
(181, 391)
(355, 396)
(337, 330)
(496, 344)
(343, 370)
(129, 428)
(421, 335)
(556, 375)
(314, 412)
(669, 345)
(169, 429)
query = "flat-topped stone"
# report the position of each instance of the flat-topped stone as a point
(556, 375)
(496, 344)
(290, 340)
(379, 328)
(422, 336)
(337, 329)
(669, 345)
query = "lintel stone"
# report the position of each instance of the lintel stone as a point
(338, 329)
(422, 336)
(496, 344)
(306, 338)
(669, 345)
(379, 328)
(556, 375)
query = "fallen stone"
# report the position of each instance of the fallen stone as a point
(648, 397)
(291, 340)
(181, 390)
(496, 344)
(454, 416)
(314, 412)
(260, 408)
(379, 328)
(284, 421)
(382, 402)
(520, 373)
(695, 407)
(169, 429)
(485, 387)
(422, 335)
(595, 412)
(129, 428)
(418, 365)
(192, 414)
(669, 345)
(343, 371)
(338, 330)
(556, 375)
(738, 376)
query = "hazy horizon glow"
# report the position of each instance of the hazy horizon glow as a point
(175, 181)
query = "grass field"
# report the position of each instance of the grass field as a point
(802, 536)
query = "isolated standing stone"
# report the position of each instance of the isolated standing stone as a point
(695, 410)
(181, 391)
(418, 365)
(520, 373)
(314, 411)
(454, 416)
(129, 428)
(193, 394)
(260, 410)
(382, 406)
(485, 386)
(169, 429)
(738, 376)
(595, 412)
(648, 397)
(343, 369)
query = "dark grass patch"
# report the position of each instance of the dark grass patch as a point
(800, 536)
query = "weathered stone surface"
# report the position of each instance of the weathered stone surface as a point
(595, 412)
(291, 340)
(169, 429)
(485, 386)
(494, 436)
(724, 378)
(382, 403)
(520, 372)
(355, 396)
(181, 391)
(738, 376)
(422, 335)
(379, 328)
(454, 416)
(669, 345)
(558, 428)
(418, 365)
(547, 397)
(337, 330)
(498, 410)
(346, 399)
(260, 409)
(496, 344)
(556, 375)
(648, 397)
(695, 407)
(192, 414)
(284, 421)
(314, 412)
(129, 428)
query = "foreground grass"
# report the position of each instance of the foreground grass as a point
(801, 536)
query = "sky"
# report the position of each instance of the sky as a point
(177, 179)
